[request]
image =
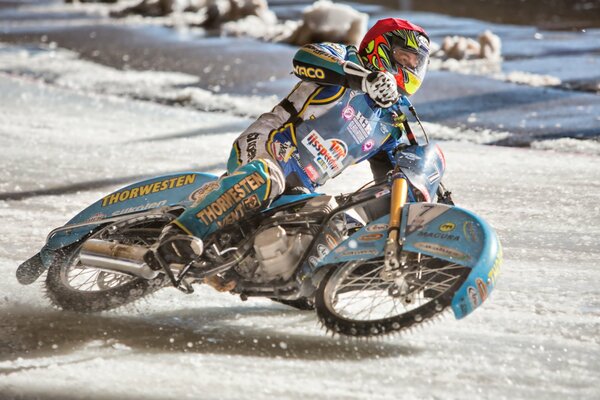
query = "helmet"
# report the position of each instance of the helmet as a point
(399, 47)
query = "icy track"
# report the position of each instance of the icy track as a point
(537, 337)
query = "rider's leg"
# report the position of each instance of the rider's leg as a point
(253, 179)
(246, 190)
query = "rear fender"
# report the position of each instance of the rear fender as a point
(164, 191)
(442, 231)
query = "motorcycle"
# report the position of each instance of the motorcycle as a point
(380, 260)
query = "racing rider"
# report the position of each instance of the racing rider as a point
(280, 151)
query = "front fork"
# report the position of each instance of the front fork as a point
(393, 246)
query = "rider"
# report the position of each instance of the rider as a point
(267, 160)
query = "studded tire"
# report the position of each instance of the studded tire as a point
(353, 300)
(70, 285)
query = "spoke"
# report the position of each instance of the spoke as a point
(365, 296)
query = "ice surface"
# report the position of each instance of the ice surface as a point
(72, 131)
(70, 139)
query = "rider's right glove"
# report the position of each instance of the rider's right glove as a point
(380, 86)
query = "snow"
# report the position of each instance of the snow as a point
(72, 131)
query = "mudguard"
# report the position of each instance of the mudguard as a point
(168, 190)
(442, 231)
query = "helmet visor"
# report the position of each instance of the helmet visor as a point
(412, 62)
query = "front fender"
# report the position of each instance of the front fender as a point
(442, 231)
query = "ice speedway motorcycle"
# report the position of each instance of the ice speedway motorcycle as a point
(379, 260)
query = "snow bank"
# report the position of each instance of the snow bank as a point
(325, 21)
(321, 21)
(488, 46)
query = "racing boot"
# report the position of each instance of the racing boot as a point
(175, 248)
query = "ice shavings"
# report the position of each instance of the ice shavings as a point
(63, 68)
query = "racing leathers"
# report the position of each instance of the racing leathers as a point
(324, 125)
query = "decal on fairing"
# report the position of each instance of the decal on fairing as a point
(351, 120)
(232, 204)
(169, 190)
(348, 113)
(328, 153)
(144, 190)
(475, 246)
(360, 128)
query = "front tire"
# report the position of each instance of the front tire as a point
(354, 300)
(70, 285)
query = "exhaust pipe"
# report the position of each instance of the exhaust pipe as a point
(116, 257)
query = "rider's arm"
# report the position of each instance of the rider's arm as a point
(334, 64)
(323, 63)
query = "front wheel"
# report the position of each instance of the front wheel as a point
(72, 285)
(354, 300)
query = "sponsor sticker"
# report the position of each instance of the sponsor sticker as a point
(230, 205)
(360, 128)
(482, 288)
(150, 188)
(377, 227)
(473, 297)
(331, 242)
(368, 145)
(311, 172)
(199, 194)
(348, 113)
(447, 227)
(435, 248)
(309, 72)
(283, 151)
(322, 250)
(470, 232)
(143, 207)
(442, 236)
(96, 217)
(370, 237)
(251, 140)
(362, 252)
(328, 153)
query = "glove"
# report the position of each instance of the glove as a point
(380, 86)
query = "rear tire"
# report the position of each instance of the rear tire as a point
(73, 286)
(354, 300)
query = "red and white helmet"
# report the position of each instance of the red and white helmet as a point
(399, 47)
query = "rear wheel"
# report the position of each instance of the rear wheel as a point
(354, 300)
(74, 286)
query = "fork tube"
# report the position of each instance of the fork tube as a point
(399, 194)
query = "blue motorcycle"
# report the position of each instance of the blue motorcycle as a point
(380, 260)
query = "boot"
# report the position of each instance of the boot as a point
(177, 247)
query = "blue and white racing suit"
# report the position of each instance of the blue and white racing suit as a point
(319, 129)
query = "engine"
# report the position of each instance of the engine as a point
(278, 248)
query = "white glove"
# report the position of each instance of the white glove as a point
(380, 86)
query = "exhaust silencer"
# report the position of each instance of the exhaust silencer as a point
(111, 256)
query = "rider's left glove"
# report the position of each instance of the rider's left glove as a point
(380, 86)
